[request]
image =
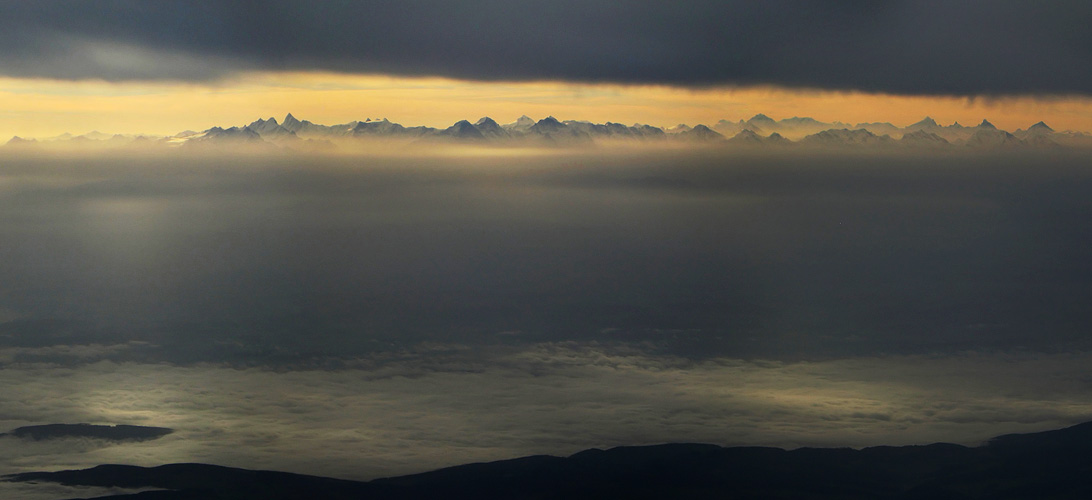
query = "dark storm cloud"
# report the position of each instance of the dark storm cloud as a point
(922, 47)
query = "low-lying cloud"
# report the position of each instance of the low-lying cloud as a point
(425, 410)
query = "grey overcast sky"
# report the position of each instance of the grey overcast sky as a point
(905, 47)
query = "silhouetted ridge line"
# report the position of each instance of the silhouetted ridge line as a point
(1045, 465)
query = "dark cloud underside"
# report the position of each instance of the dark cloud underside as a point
(104, 432)
(275, 262)
(924, 47)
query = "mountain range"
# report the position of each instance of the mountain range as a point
(758, 131)
(1046, 465)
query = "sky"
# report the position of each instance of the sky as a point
(164, 67)
(361, 316)
(46, 108)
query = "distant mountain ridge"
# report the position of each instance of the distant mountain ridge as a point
(1045, 465)
(760, 130)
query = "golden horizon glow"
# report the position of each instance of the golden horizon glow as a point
(44, 108)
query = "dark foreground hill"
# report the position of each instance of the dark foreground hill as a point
(1055, 464)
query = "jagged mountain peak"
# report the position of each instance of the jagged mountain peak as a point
(522, 124)
(19, 141)
(463, 129)
(923, 138)
(746, 137)
(801, 120)
(548, 124)
(760, 118)
(840, 137)
(682, 127)
(490, 128)
(927, 122)
(990, 137)
(701, 132)
(260, 122)
(1040, 126)
(986, 125)
(291, 123)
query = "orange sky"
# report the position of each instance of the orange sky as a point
(42, 108)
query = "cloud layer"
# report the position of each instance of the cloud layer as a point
(420, 410)
(363, 316)
(924, 47)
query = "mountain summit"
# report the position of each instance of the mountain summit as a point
(925, 124)
(291, 123)
(1040, 127)
(463, 130)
